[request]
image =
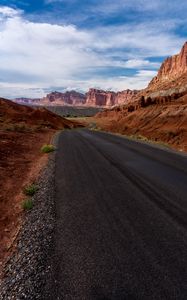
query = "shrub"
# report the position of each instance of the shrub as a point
(30, 190)
(27, 204)
(47, 148)
(141, 137)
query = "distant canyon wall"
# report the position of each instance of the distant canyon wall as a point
(107, 99)
(94, 98)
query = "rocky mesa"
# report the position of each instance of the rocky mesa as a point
(102, 98)
(68, 98)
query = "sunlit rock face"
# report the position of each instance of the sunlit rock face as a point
(67, 98)
(172, 68)
(108, 98)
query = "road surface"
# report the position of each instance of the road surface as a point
(121, 219)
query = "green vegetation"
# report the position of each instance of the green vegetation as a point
(47, 148)
(140, 137)
(27, 204)
(30, 190)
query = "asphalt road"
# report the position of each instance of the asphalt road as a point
(121, 219)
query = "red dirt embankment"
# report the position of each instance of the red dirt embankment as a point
(13, 113)
(162, 123)
(20, 164)
(23, 131)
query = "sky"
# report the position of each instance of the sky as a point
(48, 45)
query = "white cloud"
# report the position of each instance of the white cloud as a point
(110, 6)
(139, 63)
(140, 40)
(117, 83)
(146, 74)
(42, 55)
(6, 11)
(12, 92)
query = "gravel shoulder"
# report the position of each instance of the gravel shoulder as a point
(27, 269)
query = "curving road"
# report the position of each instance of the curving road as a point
(121, 219)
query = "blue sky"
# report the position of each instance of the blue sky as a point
(76, 44)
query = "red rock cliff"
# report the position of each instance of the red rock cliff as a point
(93, 98)
(125, 97)
(108, 98)
(67, 98)
(96, 97)
(172, 68)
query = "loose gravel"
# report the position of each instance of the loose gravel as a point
(27, 270)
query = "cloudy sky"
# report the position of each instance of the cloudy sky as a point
(60, 45)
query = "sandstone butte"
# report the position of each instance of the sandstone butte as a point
(67, 98)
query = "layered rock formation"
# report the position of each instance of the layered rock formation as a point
(94, 98)
(67, 98)
(170, 82)
(172, 68)
(108, 98)
(126, 96)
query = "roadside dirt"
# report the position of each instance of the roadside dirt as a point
(23, 131)
(20, 165)
(158, 123)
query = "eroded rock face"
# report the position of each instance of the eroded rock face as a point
(67, 98)
(96, 97)
(125, 97)
(172, 68)
(108, 98)
(93, 98)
